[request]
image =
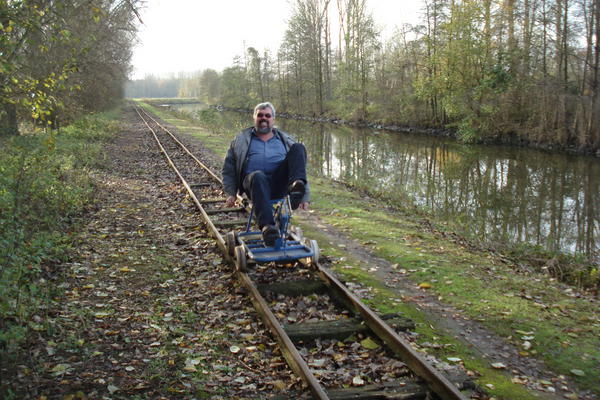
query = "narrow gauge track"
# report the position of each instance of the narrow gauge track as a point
(301, 306)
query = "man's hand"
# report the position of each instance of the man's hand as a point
(303, 206)
(230, 202)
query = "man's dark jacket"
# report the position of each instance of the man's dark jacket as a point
(235, 161)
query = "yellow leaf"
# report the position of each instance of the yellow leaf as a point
(425, 285)
(368, 343)
(102, 314)
(280, 385)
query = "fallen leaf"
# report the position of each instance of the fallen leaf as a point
(368, 343)
(112, 388)
(102, 314)
(358, 381)
(317, 363)
(280, 385)
(60, 368)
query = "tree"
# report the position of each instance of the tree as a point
(360, 44)
(73, 53)
(305, 53)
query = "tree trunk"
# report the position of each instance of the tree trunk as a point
(9, 125)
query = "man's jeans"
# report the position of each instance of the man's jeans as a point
(261, 187)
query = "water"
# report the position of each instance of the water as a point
(498, 193)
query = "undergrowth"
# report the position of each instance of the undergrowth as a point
(45, 183)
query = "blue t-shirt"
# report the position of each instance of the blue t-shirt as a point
(265, 156)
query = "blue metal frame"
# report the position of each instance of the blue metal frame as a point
(285, 248)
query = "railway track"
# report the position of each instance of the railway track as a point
(324, 331)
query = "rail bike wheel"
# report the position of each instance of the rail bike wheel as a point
(314, 246)
(240, 258)
(230, 242)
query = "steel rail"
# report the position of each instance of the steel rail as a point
(436, 381)
(183, 147)
(288, 349)
(214, 231)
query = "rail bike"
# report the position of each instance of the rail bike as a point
(248, 247)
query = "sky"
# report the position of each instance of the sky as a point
(192, 35)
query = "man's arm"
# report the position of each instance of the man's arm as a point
(229, 177)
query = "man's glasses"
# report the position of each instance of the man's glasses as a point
(260, 115)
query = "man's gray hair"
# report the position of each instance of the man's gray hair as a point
(262, 106)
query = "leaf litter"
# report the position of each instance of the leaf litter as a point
(149, 307)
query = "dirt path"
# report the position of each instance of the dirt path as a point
(151, 309)
(527, 371)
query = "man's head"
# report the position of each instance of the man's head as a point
(264, 117)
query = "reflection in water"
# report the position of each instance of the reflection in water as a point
(497, 192)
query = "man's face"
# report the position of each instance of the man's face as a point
(263, 120)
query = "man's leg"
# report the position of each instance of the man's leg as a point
(290, 171)
(258, 187)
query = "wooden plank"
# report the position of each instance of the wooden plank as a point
(234, 222)
(302, 287)
(338, 329)
(398, 390)
(224, 210)
(210, 201)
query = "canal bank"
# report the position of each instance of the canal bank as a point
(534, 316)
(538, 204)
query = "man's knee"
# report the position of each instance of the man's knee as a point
(257, 176)
(297, 152)
(254, 178)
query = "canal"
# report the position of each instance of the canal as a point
(497, 193)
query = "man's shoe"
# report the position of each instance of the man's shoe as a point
(297, 190)
(270, 233)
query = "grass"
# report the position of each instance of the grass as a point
(45, 184)
(512, 301)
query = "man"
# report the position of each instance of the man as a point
(266, 164)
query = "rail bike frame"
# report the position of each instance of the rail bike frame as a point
(288, 246)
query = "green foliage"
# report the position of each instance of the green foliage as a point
(208, 116)
(61, 58)
(44, 185)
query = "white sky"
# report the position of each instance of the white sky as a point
(192, 35)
